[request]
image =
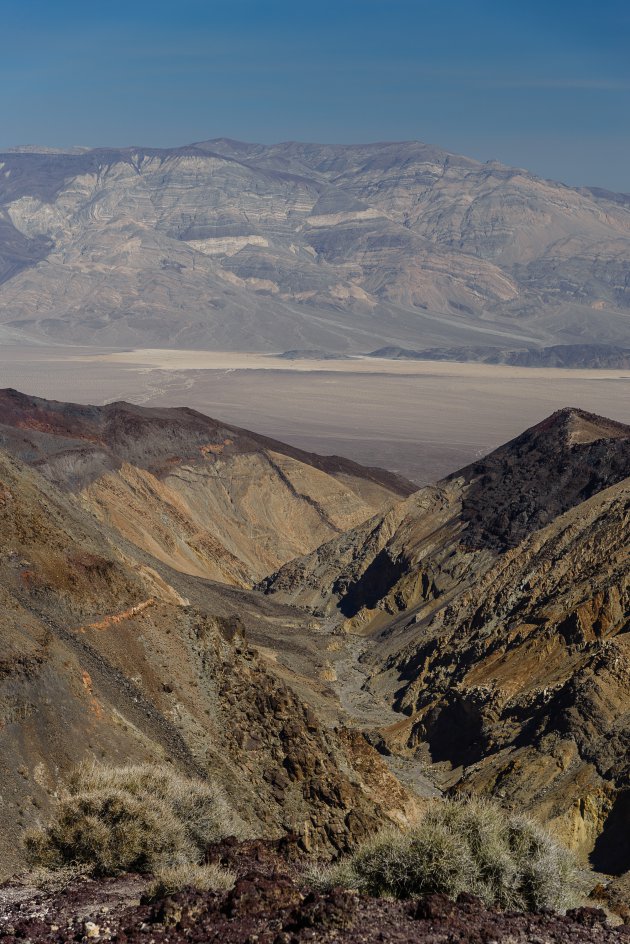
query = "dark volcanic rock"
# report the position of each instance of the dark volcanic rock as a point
(550, 468)
(278, 909)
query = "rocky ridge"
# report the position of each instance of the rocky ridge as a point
(495, 610)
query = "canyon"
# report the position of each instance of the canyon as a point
(330, 644)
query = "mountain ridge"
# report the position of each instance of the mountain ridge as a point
(207, 497)
(397, 660)
(306, 247)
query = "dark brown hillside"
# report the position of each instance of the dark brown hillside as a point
(524, 485)
(443, 537)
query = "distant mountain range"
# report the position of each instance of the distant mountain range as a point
(225, 245)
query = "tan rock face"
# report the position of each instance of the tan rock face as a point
(207, 499)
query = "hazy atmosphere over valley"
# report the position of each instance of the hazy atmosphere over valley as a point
(315, 472)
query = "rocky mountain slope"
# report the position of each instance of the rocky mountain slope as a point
(224, 245)
(470, 636)
(107, 652)
(204, 497)
(585, 356)
(496, 610)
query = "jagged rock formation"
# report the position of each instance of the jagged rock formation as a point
(107, 652)
(497, 606)
(428, 542)
(204, 497)
(222, 244)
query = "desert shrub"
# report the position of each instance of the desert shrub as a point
(111, 831)
(132, 818)
(204, 878)
(200, 806)
(50, 881)
(462, 846)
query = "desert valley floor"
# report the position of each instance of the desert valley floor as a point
(422, 419)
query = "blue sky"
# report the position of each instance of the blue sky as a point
(541, 85)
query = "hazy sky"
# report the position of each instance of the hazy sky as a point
(544, 85)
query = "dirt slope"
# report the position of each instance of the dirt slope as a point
(102, 656)
(204, 497)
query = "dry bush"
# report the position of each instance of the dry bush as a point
(199, 805)
(203, 878)
(463, 846)
(51, 881)
(132, 818)
(111, 831)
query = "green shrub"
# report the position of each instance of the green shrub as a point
(133, 818)
(203, 878)
(463, 846)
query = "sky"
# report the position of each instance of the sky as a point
(542, 85)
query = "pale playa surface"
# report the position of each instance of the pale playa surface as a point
(420, 418)
(166, 359)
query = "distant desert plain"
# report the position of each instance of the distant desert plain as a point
(422, 419)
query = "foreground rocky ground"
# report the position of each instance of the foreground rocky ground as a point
(271, 904)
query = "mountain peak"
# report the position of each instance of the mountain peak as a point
(556, 464)
(579, 427)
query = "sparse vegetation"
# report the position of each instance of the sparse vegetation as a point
(133, 818)
(463, 846)
(203, 878)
